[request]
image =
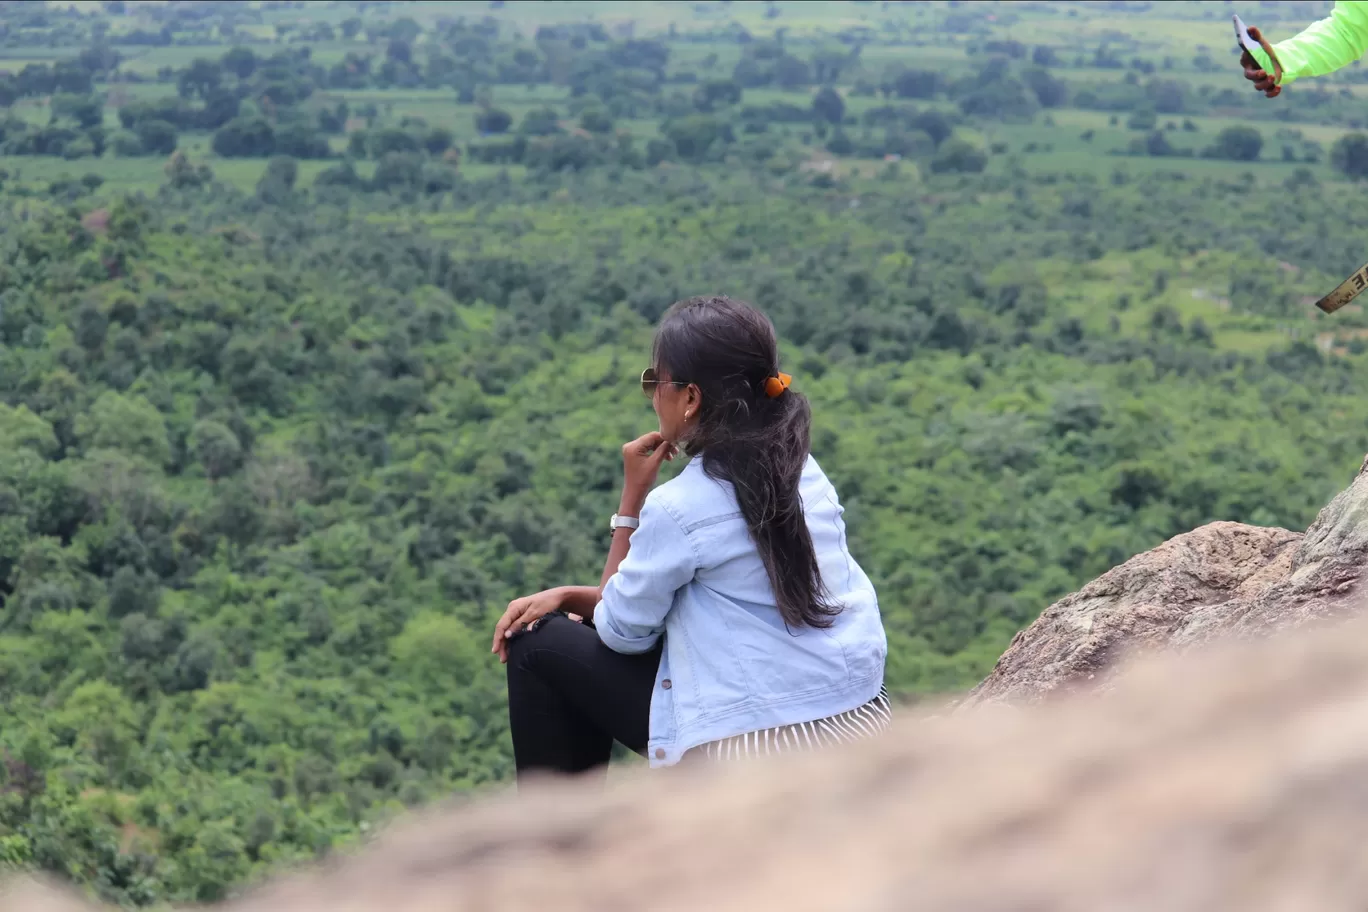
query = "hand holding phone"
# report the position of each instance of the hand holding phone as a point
(1249, 40)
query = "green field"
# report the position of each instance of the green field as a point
(908, 35)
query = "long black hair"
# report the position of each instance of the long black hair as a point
(756, 442)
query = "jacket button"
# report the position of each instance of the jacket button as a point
(660, 753)
(666, 684)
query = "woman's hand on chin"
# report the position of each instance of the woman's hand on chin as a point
(641, 459)
(520, 615)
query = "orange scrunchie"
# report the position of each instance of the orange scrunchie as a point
(775, 386)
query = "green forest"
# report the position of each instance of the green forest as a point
(320, 325)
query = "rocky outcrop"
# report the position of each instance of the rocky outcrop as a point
(1233, 778)
(1224, 579)
(1219, 775)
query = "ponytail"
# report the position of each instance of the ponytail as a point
(754, 433)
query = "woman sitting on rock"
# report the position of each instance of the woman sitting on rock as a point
(731, 619)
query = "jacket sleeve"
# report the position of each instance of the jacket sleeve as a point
(630, 616)
(1322, 47)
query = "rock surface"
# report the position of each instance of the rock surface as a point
(1224, 579)
(1229, 775)
(1231, 779)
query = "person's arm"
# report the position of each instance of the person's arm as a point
(582, 600)
(578, 601)
(1322, 47)
(639, 591)
(641, 459)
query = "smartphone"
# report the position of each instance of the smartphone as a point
(1247, 43)
(1242, 36)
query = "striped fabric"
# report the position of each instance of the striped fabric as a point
(862, 722)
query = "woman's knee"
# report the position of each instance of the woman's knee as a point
(519, 649)
(524, 646)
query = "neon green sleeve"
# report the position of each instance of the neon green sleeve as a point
(1324, 46)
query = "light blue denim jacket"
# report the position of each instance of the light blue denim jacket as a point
(729, 666)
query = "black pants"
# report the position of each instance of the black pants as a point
(570, 697)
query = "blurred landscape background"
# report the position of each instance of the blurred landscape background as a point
(320, 324)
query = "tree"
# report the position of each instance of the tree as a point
(435, 651)
(301, 140)
(828, 63)
(1236, 143)
(214, 443)
(916, 83)
(934, 123)
(1157, 144)
(99, 58)
(239, 61)
(791, 72)
(70, 76)
(380, 143)
(216, 446)
(80, 147)
(156, 137)
(129, 424)
(245, 137)
(399, 51)
(86, 110)
(182, 174)
(102, 723)
(1169, 95)
(715, 92)
(694, 136)
(840, 143)
(199, 79)
(1349, 155)
(493, 120)
(20, 427)
(908, 143)
(1049, 91)
(540, 122)
(958, 155)
(596, 119)
(437, 140)
(999, 99)
(333, 120)
(132, 592)
(398, 171)
(128, 220)
(1143, 119)
(828, 105)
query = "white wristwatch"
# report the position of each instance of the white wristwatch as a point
(623, 522)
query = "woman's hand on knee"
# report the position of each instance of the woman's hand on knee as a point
(521, 614)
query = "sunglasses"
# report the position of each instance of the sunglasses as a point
(649, 382)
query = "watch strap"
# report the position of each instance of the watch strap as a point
(623, 522)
